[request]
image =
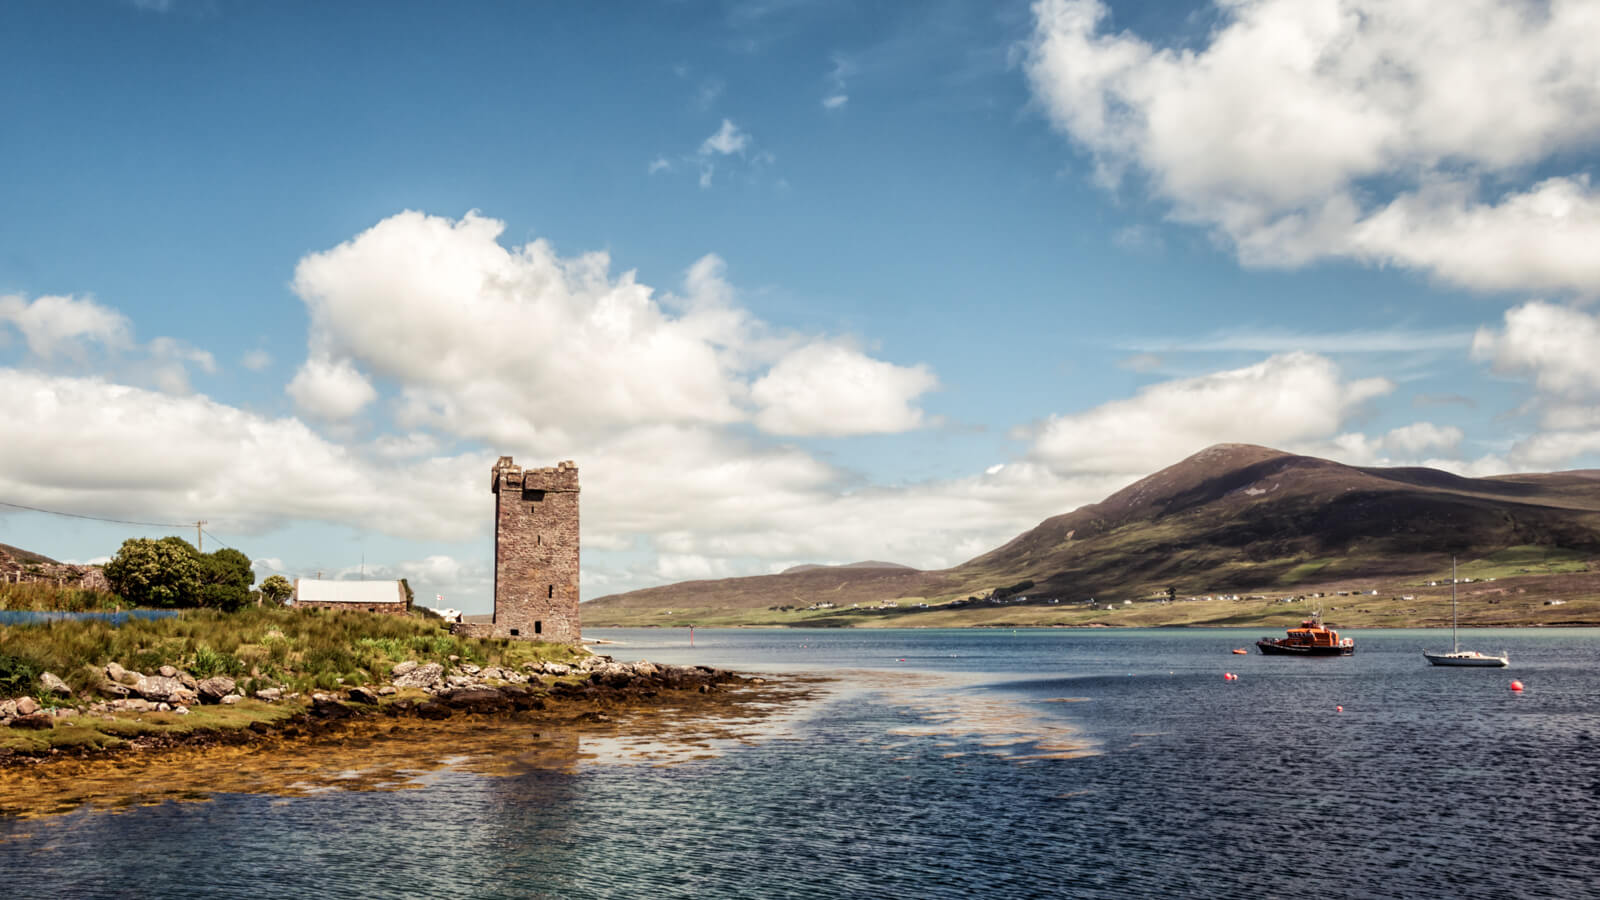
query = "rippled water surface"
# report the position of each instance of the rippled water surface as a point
(957, 763)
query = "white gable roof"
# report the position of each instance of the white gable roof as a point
(310, 590)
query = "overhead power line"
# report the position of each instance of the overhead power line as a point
(55, 512)
(52, 512)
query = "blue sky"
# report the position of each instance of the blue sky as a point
(791, 282)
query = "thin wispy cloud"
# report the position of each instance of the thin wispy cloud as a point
(838, 94)
(709, 92)
(1277, 341)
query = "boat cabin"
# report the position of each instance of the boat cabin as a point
(1312, 633)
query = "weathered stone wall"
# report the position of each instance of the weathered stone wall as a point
(393, 609)
(89, 578)
(536, 552)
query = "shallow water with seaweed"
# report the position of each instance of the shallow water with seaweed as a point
(953, 763)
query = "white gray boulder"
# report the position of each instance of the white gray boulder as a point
(213, 689)
(53, 685)
(165, 689)
(423, 676)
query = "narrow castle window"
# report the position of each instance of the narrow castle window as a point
(538, 628)
(550, 591)
(514, 632)
(533, 494)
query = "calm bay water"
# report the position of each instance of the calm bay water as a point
(1079, 763)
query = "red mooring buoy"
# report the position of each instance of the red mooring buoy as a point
(1516, 686)
(1338, 709)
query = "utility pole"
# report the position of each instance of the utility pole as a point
(198, 541)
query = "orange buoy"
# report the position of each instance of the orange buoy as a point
(1242, 652)
(1516, 686)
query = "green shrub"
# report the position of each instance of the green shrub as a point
(19, 676)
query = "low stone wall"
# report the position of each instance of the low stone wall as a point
(393, 609)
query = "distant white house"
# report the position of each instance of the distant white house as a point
(445, 613)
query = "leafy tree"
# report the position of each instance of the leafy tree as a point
(276, 589)
(225, 579)
(164, 573)
(170, 572)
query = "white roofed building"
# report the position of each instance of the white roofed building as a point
(367, 596)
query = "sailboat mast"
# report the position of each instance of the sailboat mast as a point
(1455, 645)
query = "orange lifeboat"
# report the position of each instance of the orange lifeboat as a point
(1312, 638)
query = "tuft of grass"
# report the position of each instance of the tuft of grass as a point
(208, 662)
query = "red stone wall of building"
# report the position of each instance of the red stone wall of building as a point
(393, 609)
(536, 552)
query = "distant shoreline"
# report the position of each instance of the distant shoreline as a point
(758, 626)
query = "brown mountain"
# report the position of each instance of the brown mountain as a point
(21, 556)
(1231, 517)
(864, 564)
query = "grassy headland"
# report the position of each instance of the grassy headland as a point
(295, 651)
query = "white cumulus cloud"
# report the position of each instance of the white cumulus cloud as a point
(1287, 399)
(522, 347)
(87, 445)
(58, 325)
(829, 389)
(1385, 132)
(1559, 346)
(330, 389)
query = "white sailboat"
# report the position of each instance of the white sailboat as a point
(1458, 656)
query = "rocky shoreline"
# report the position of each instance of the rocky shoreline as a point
(429, 691)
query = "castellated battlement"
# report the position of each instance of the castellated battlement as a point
(536, 552)
(561, 477)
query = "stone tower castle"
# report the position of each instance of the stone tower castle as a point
(536, 552)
